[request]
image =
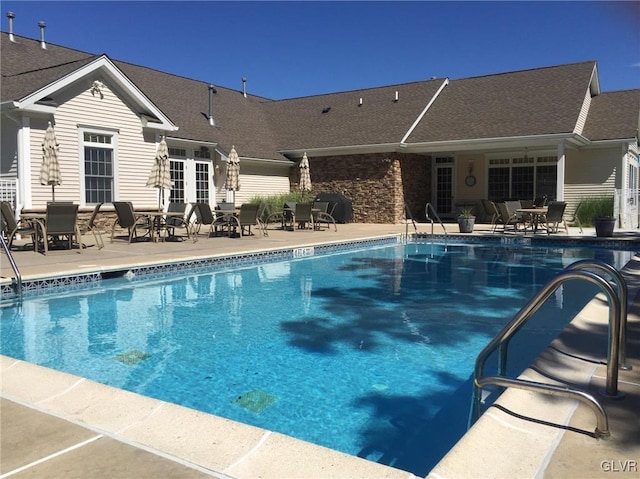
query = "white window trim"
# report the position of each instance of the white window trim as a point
(114, 134)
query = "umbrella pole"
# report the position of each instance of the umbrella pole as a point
(53, 193)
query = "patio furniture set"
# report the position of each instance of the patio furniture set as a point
(522, 216)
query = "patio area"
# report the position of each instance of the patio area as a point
(58, 425)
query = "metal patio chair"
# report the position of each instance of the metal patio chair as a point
(62, 225)
(132, 221)
(12, 227)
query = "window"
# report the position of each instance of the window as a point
(522, 178)
(98, 167)
(176, 168)
(202, 182)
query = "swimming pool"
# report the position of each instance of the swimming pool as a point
(369, 352)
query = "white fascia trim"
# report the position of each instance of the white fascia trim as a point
(176, 141)
(424, 112)
(101, 63)
(264, 160)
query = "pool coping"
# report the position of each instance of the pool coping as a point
(263, 453)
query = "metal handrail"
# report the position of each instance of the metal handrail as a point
(406, 224)
(623, 294)
(502, 338)
(428, 207)
(13, 264)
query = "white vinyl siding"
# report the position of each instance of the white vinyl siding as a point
(256, 180)
(584, 111)
(590, 173)
(133, 157)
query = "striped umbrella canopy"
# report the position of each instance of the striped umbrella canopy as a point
(160, 176)
(233, 171)
(50, 168)
(305, 175)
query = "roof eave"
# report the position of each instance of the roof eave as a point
(474, 144)
(341, 150)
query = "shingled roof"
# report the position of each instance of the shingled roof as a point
(540, 101)
(613, 115)
(530, 102)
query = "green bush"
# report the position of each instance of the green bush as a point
(275, 203)
(595, 207)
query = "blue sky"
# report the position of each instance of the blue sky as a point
(292, 49)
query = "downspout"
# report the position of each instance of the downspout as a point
(560, 173)
(424, 112)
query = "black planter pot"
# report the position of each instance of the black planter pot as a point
(604, 227)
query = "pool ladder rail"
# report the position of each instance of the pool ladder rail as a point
(616, 355)
(429, 218)
(14, 266)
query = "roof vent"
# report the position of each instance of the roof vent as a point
(326, 110)
(396, 97)
(212, 90)
(244, 87)
(42, 26)
(11, 16)
(360, 102)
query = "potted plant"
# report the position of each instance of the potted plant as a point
(604, 226)
(603, 218)
(466, 219)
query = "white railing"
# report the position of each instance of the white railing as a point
(9, 191)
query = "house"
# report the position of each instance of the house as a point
(545, 131)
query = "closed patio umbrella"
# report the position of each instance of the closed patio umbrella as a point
(232, 182)
(305, 175)
(50, 168)
(160, 176)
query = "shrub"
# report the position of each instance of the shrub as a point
(275, 203)
(595, 207)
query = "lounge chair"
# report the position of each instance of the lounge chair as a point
(129, 219)
(11, 227)
(322, 215)
(246, 218)
(62, 222)
(555, 216)
(90, 226)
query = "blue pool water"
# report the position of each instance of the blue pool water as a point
(368, 352)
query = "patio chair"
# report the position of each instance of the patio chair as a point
(491, 212)
(127, 218)
(62, 222)
(303, 216)
(246, 218)
(205, 216)
(574, 219)
(90, 227)
(11, 227)
(555, 216)
(507, 217)
(174, 223)
(322, 215)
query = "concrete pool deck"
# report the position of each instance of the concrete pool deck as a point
(58, 425)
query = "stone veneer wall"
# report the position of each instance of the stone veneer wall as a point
(378, 184)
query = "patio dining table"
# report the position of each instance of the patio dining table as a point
(158, 221)
(537, 215)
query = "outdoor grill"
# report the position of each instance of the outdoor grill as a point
(343, 212)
